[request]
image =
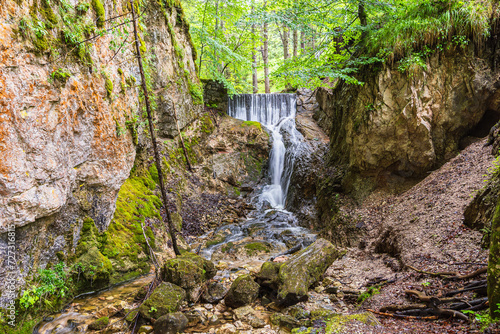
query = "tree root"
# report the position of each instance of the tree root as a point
(434, 317)
(452, 274)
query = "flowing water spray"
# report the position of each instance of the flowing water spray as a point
(277, 113)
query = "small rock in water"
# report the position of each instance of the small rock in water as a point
(227, 329)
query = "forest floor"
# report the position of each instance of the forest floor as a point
(422, 227)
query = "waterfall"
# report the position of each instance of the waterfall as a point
(277, 113)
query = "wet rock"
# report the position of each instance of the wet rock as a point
(215, 292)
(297, 312)
(171, 323)
(99, 324)
(304, 269)
(145, 329)
(268, 274)
(166, 298)
(243, 291)
(195, 317)
(283, 320)
(188, 271)
(227, 329)
(249, 315)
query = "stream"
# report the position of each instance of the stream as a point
(269, 231)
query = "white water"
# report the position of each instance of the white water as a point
(277, 113)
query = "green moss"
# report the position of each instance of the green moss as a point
(120, 71)
(21, 327)
(494, 265)
(99, 324)
(99, 13)
(196, 91)
(252, 123)
(108, 84)
(48, 14)
(166, 298)
(256, 247)
(206, 124)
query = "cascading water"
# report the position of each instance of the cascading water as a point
(270, 224)
(277, 113)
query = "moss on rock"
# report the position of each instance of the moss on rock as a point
(188, 271)
(304, 269)
(268, 274)
(100, 13)
(243, 291)
(166, 298)
(494, 265)
(99, 324)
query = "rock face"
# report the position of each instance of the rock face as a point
(69, 130)
(215, 95)
(188, 271)
(166, 298)
(401, 126)
(243, 291)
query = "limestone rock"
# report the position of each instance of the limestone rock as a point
(171, 323)
(215, 292)
(188, 271)
(304, 269)
(166, 298)
(396, 127)
(243, 291)
(249, 315)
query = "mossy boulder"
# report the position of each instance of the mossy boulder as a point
(99, 324)
(304, 269)
(285, 321)
(243, 291)
(97, 268)
(338, 323)
(188, 271)
(166, 298)
(268, 275)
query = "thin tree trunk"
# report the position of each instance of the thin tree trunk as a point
(255, 81)
(152, 134)
(265, 55)
(182, 140)
(295, 43)
(286, 54)
(202, 39)
(302, 41)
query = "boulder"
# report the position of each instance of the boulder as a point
(215, 292)
(188, 271)
(166, 298)
(171, 323)
(304, 269)
(268, 274)
(243, 291)
(99, 324)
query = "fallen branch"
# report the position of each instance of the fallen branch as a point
(394, 308)
(403, 316)
(431, 299)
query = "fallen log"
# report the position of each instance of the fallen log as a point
(473, 288)
(466, 305)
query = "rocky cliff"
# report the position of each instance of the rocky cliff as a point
(400, 125)
(72, 119)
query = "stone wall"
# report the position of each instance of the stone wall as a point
(215, 95)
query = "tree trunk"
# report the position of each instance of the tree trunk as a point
(302, 41)
(265, 54)
(255, 82)
(286, 55)
(295, 43)
(152, 134)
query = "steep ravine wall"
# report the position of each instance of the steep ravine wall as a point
(398, 126)
(70, 124)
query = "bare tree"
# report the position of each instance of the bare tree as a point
(152, 134)
(295, 43)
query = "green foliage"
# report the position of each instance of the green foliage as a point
(483, 318)
(48, 13)
(48, 288)
(108, 84)
(62, 75)
(371, 291)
